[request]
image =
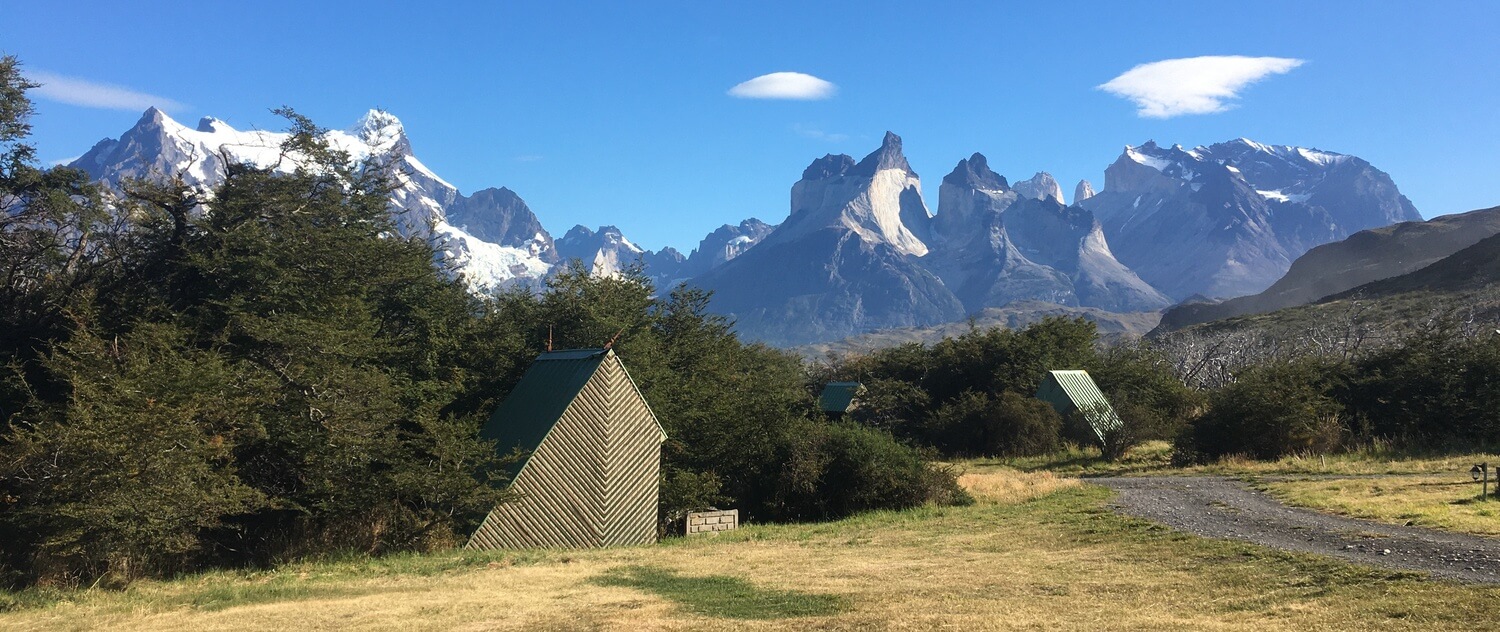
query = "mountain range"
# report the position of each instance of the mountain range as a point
(860, 250)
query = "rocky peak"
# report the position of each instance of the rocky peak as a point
(829, 166)
(211, 125)
(975, 172)
(153, 117)
(889, 156)
(1041, 186)
(1083, 191)
(606, 252)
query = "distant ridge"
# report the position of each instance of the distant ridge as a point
(1364, 257)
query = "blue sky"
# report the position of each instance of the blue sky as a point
(604, 113)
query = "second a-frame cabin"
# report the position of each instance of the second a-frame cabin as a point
(592, 447)
(1074, 394)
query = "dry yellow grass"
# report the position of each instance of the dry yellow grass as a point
(1444, 502)
(1012, 486)
(1055, 561)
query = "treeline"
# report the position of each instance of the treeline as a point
(975, 394)
(1435, 389)
(268, 371)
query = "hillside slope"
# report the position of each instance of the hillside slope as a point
(1364, 257)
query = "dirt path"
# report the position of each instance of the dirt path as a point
(1218, 507)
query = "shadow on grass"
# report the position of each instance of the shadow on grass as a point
(723, 596)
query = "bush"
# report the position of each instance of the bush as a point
(1138, 424)
(834, 470)
(1272, 411)
(975, 424)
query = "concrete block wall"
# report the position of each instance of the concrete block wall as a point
(712, 521)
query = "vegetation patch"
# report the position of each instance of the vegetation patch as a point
(723, 596)
(1449, 501)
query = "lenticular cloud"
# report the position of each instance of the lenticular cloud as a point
(1193, 85)
(784, 85)
(80, 92)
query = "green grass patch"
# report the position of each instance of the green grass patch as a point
(723, 596)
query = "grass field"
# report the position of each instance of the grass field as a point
(1448, 501)
(1037, 552)
(1155, 459)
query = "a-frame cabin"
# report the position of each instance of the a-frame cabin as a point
(593, 457)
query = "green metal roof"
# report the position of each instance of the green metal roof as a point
(838, 397)
(536, 403)
(1074, 391)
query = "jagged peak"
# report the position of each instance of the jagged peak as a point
(888, 156)
(829, 166)
(154, 118)
(975, 172)
(578, 231)
(382, 131)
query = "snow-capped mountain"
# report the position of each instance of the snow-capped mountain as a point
(500, 216)
(1228, 219)
(158, 147)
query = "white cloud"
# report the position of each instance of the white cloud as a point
(1193, 85)
(62, 161)
(80, 92)
(784, 85)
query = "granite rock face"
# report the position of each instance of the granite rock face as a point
(845, 261)
(995, 247)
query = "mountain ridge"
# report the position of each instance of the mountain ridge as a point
(859, 248)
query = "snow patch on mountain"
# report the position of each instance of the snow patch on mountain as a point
(1155, 162)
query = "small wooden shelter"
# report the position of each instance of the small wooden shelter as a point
(592, 457)
(1073, 394)
(840, 398)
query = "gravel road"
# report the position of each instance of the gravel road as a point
(1218, 507)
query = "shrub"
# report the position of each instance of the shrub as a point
(1138, 424)
(834, 470)
(1009, 425)
(1272, 411)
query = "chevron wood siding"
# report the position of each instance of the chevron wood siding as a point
(593, 481)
